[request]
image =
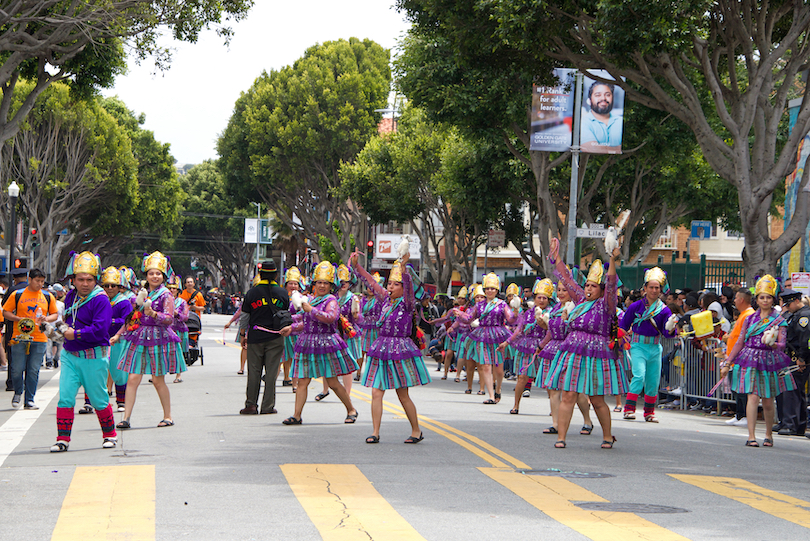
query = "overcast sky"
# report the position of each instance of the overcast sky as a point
(189, 105)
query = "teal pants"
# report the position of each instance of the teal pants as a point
(119, 376)
(88, 373)
(645, 362)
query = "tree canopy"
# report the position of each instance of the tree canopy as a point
(292, 129)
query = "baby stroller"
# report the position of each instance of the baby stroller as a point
(194, 350)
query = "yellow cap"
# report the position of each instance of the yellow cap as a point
(155, 260)
(656, 274)
(492, 280)
(324, 272)
(596, 272)
(767, 284)
(112, 275)
(544, 287)
(512, 289)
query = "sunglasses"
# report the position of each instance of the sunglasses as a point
(109, 286)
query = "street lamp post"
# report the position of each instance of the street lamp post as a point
(13, 193)
(258, 229)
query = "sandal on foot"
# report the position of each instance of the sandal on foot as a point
(489, 401)
(457, 380)
(550, 430)
(497, 397)
(608, 444)
(481, 392)
(751, 443)
(87, 408)
(165, 422)
(178, 380)
(468, 391)
(59, 447)
(650, 418)
(123, 424)
(617, 409)
(240, 372)
(373, 439)
(767, 442)
(444, 377)
(291, 421)
(586, 430)
(286, 383)
(559, 444)
(321, 396)
(350, 419)
(629, 416)
(514, 411)
(413, 439)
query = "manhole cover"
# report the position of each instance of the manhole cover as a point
(638, 508)
(568, 474)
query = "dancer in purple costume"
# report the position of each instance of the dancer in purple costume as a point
(493, 315)
(349, 311)
(526, 338)
(394, 360)
(181, 310)
(591, 366)
(114, 282)
(151, 347)
(370, 311)
(759, 363)
(557, 331)
(319, 350)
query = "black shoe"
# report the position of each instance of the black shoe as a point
(777, 427)
(787, 432)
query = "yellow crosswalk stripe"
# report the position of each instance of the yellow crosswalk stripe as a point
(553, 496)
(115, 502)
(344, 505)
(768, 501)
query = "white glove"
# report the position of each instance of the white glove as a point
(297, 299)
(404, 246)
(147, 303)
(515, 303)
(530, 304)
(569, 307)
(475, 324)
(142, 294)
(769, 336)
(355, 304)
(671, 323)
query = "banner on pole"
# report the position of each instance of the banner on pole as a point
(553, 113)
(602, 115)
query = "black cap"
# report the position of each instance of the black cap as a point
(268, 266)
(789, 295)
(19, 272)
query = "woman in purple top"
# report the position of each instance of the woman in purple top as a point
(394, 359)
(591, 366)
(179, 326)
(530, 331)
(150, 343)
(114, 283)
(760, 357)
(493, 315)
(554, 338)
(319, 350)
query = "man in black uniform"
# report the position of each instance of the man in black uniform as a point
(266, 306)
(794, 403)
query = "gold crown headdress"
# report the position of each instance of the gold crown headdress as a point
(492, 280)
(377, 278)
(767, 284)
(324, 272)
(396, 272)
(544, 287)
(129, 277)
(174, 282)
(344, 275)
(479, 291)
(512, 289)
(596, 273)
(114, 276)
(462, 293)
(155, 260)
(84, 262)
(292, 275)
(656, 274)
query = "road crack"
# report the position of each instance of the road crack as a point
(346, 514)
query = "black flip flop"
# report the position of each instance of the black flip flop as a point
(411, 439)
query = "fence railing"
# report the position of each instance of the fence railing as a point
(689, 373)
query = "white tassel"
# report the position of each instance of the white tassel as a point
(147, 303)
(568, 308)
(515, 303)
(611, 240)
(671, 323)
(404, 246)
(530, 304)
(769, 336)
(297, 299)
(475, 324)
(355, 304)
(142, 294)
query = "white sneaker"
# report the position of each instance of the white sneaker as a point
(15, 402)
(732, 421)
(121, 408)
(676, 391)
(741, 422)
(109, 443)
(59, 447)
(527, 393)
(31, 406)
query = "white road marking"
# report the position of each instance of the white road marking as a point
(13, 431)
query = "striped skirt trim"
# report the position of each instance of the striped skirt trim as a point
(485, 353)
(369, 335)
(289, 345)
(152, 360)
(385, 375)
(763, 383)
(313, 365)
(460, 346)
(588, 375)
(527, 364)
(355, 348)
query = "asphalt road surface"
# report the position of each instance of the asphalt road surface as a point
(480, 473)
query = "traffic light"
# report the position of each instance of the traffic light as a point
(370, 249)
(34, 238)
(20, 263)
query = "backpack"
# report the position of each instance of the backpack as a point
(19, 292)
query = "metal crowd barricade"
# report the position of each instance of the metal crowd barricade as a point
(688, 374)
